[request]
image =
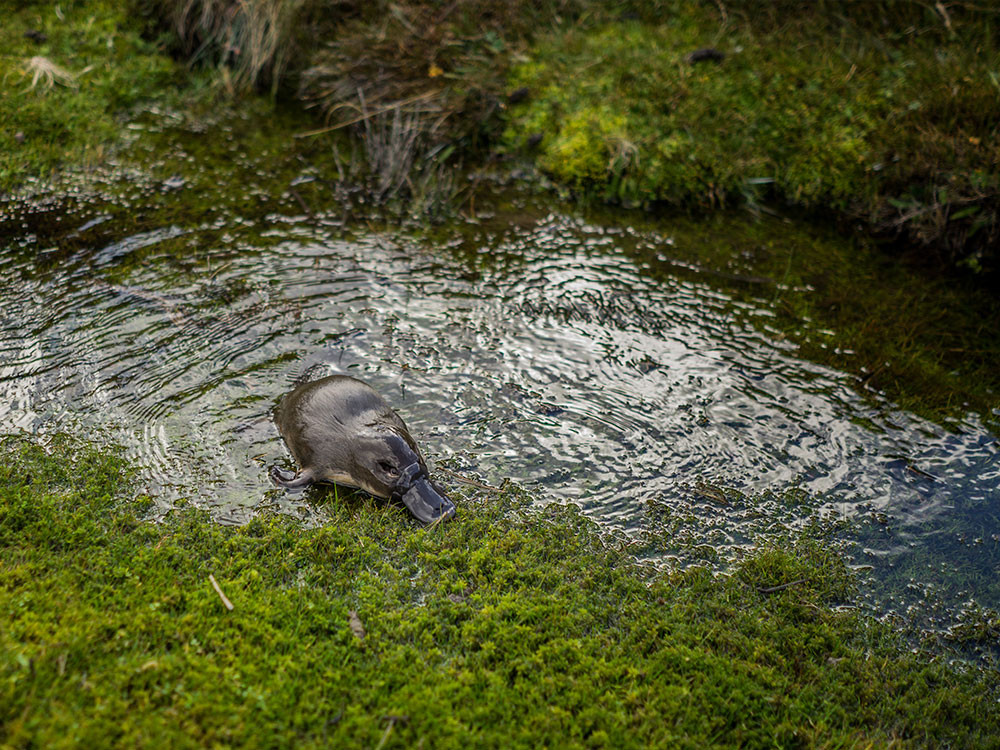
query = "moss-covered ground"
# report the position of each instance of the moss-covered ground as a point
(861, 113)
(510, 626)
(68, 71)
(505, 628)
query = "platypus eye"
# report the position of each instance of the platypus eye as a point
(388, 468)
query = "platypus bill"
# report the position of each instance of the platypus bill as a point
(340, 430)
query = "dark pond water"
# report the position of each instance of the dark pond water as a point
(577, 359)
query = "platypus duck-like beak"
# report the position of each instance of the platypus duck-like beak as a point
(419, 495)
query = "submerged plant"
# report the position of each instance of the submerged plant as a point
(391, 143)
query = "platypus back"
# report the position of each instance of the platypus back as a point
(340, 430)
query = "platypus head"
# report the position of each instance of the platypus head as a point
(388, 466)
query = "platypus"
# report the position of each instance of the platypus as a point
(340, 430)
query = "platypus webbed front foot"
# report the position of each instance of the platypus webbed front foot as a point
(290, 480)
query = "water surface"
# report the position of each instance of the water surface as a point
(580, 359)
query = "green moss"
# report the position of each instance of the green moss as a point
(72, 119)
(507, 627)
(892, 129)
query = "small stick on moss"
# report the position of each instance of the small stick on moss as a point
(215, 585)
(772, 589)
(385, 737)
(722, 12)
(388, 730)
(305, 207)
(867, 378)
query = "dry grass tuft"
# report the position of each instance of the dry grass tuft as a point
(410, 78)
(45, 72)
(392, 143)
(254, 39)
(438, 63)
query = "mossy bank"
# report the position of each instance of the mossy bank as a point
(507, 627)
(872, 114)
(880, 115)
(69, 72)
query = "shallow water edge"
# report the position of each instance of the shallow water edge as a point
(640, 370)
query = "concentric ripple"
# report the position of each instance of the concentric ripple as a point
(553, 360)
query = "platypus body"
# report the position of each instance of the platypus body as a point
(340, 430)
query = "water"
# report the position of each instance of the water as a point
(575, 358)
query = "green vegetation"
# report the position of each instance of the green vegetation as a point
(894, 129)
(68, 70)
(507, 627)
(875, 114)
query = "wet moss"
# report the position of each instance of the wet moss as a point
(888, 128)
(507, 627)
(69, 71)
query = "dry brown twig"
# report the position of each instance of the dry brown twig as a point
(225, 600)
(781, 587)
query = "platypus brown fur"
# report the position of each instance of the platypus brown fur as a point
(340, 430)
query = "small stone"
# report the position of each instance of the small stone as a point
(518, 95)
(356, 627)
(707, 53)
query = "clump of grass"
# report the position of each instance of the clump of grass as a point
(414, 79)
(409, 79)
(391, 144)
(352, 59)
(439, 63)
(504, 628)
(394, 142)
(253, 41)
